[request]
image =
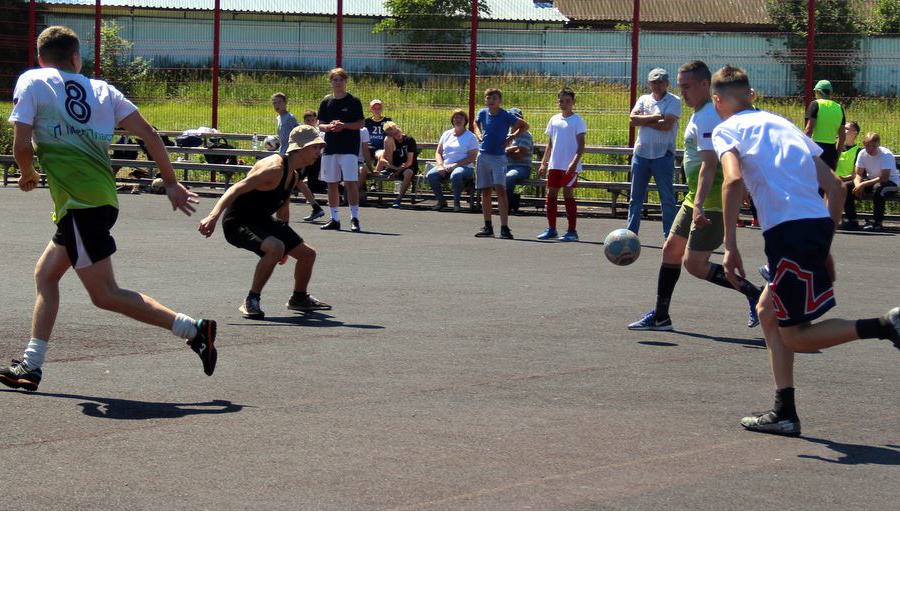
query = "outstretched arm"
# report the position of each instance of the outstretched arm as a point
(263, 179)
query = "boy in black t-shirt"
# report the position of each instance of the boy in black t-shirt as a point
(398, 158)
(341, 117)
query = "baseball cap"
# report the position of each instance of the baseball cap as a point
(823, 86)
(658, 75)
(303, 136)
(516, 112)
(376, 101)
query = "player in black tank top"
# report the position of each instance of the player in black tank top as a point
(256, 213)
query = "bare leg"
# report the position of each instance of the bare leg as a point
(486, 207)
(697, 261)
(307, 194)
(334, 195)
(781, 359)
(407, 179)
(351, 188)
(306, 258)
(51, 267)
(809, 337)
(503, 205)
(274, 251)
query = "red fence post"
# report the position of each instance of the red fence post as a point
(810, 53)
(473, 67)
(97, 13)
(32, 26)
(215, 64)
(339, 41)
(635, 48)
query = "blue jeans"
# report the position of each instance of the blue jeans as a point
(458, 178)
(515, 174)
(663, 171)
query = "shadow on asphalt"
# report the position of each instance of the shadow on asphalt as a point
(856, 454)
(312, 319)
(117, 408)
(747, 342)
(655, 343)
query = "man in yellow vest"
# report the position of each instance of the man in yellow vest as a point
(825, 123)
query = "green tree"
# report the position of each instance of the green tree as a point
(887, 16)
(839, 27)
(116, 63)
(434, 32)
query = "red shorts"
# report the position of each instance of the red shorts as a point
(557, 178)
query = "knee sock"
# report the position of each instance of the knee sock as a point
(784, 403)
(716, 275)
(870, 329)
(184, 327)
(354, 211)
(668, 277)
(35, 353)
(552, 208)
(335, 215)
(571, 212)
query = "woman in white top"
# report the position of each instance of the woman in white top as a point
(454, 159)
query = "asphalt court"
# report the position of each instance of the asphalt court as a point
(453, 373)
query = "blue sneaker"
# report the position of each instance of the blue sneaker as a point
(548, 234)
(752, 317)
(396, 204)
(649, 323)
(571, 236)
(765, 274)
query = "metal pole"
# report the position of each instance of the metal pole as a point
(473, 57)
(97, 13)
(810, 53)
(635, 50)
(32, 27)
(339, 42)
(215, 65)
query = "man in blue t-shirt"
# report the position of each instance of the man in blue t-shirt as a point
(496, 127)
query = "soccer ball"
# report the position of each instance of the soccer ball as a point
(622, 247)
(271, 143)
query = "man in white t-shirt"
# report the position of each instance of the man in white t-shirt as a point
(656, 114)
(565, 148)
(771, 158)
(69, 120)
(876, 176)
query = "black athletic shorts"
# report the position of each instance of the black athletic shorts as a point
(797, 251)
(85, 234)
(250, 235)
(829, 155)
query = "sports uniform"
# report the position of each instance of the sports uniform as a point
(563, 133)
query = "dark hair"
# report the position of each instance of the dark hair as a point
(279, 96)
(461, 113)
(57, 44)
(697, 69)
(854, 125)
(309, 113)
(731, 80)
(338, 72)
(566, 91)
(492, 91)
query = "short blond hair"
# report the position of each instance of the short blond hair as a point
(872, 138)
(389, 126)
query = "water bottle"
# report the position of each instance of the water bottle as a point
(255, 143)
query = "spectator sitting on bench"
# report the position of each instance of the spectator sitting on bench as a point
(454, 160)
(399, 158)
(308, 181)
(518, 162)
(876, 175)
(846, 166)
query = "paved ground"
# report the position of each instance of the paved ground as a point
(454, 373)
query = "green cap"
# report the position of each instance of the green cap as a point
(823, 86)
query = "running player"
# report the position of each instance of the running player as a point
(71, 120)
(698, 227)
(249, 206)
(782, 169)
(567, 131)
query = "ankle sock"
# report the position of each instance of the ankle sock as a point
(870, 329)
(35, 353)
(335, 215)
(784, 403)
(184, 327)
(354, 211)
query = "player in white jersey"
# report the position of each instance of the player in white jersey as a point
(782, 170)
(70, 120)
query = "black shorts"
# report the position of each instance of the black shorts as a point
(250, 235)
(829, 155)
(85, 234)
(797, 251)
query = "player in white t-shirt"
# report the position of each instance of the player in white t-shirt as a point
(876, 175)
(781, 168)
(565, 148)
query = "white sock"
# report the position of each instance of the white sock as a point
(354, 211)
(335, 215)
(35, 353)
(184, 327)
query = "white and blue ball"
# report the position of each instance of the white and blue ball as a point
(622, 247)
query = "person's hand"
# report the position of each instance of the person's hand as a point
(542, 170)
(733, 265)
(859, 191)
(208, 225)
(181, 198)
(829, 266)
(699, 218)
(29, 180)
(337, 126)
(284, 259)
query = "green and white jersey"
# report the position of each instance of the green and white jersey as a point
(697, 139)
(74, 118)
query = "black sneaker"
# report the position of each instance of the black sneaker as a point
(354, 226)
(771, 422)
(306, 303)
(331, 225)
(485, 232)
(17, 375)
(873, 227)
(893, 317)
(251, 308)
(505, 233)
(317, 213)
(204, 344)
(849, 226)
